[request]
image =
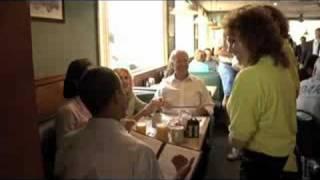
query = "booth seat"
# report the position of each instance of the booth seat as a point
(212, 78)
(144, 93)
(48, 146)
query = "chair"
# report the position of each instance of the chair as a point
(308, 146)
(144, 93)
(48, 147)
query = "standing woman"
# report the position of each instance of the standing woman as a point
(282, 23)
(73, 114)
(261, 109)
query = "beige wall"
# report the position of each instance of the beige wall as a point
(55, 45)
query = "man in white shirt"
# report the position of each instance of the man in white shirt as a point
(309, 96)
(104, 149)
(183, 90)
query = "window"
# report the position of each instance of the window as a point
(203, 31)
(135, 34)
(184, 35)
(305, 28)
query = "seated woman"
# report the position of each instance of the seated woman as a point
(73, 114)
(136, 107)
(198, 63)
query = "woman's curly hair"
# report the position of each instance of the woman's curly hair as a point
(257, 32)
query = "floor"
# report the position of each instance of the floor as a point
(218, 167)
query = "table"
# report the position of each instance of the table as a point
(191, 143)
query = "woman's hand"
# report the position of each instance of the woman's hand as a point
(153, 105)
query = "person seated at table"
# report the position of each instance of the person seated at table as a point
(184, 90)
(136, 107)
(197, 64)
(104, 149)
(306, 72)
(309, 96)
(73, 114)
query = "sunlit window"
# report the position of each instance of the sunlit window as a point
(305, 28)
(203, 31)
(136, 34)
(184, 36)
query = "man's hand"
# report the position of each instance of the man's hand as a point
(182, 166)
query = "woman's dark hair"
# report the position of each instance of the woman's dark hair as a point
(76, 70)
(258, 33)
(97, 87)
(279, 19)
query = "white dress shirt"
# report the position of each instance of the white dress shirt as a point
(104, 149)
(315, 45)
(189, 94)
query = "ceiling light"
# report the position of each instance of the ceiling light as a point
(275, 4)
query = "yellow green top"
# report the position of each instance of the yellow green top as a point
(262, 109)
(293, 68)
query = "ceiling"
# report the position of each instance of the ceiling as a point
(291, 8)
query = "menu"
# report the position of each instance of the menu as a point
(170, 151)
(166, 152)
(152, 143)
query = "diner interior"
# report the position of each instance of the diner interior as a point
(39, 41)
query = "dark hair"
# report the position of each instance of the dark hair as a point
(279, 19)
(258, 33)
(76, 70)
(97, 87)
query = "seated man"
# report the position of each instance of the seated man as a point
(183, 90)
(104, 149)
(309, 97)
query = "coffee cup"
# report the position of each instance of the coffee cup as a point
(162, 131)
(177, 134)
(141, 127)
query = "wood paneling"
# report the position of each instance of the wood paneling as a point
(49, 95)
(20, 156)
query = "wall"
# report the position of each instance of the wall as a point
(19, 138)
(55, 45)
